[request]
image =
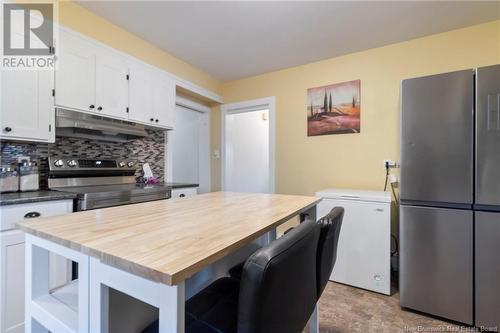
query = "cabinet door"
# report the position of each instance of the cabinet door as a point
(164, 101)
(111, 85)
(12, 281)
(141, 95)
(27, 109)
(75, 73)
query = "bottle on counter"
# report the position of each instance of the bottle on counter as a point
(28, 176)
(9, 179)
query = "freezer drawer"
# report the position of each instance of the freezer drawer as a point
(487, 269)
(437, 126)
(488, 136)
(436, 262)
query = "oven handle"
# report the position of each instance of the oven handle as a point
(31, 215)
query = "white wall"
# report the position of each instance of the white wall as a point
(247, 152)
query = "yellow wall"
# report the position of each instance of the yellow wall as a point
(80, 19)
(307, 164)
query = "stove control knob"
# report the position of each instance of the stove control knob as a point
(121, 164)
(58, 163)
(130, 164)
(72, 163)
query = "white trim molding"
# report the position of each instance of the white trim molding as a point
(248, 106)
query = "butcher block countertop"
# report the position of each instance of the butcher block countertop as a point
(169, 240)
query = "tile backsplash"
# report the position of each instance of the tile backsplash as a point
(150, 149)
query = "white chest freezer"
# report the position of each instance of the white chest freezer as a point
(364, 249)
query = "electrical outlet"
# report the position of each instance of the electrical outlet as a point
(393, 179)
(392, 164)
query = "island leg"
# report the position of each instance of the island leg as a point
(314, 320)
(171, 309)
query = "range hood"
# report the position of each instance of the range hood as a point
(89, 126)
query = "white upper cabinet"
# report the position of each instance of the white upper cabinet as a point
(27, 107)
(141, 94)
(93, 78)
(164, 101)
(111, 85)
(151, 96)
(26, 102)
(75, 73)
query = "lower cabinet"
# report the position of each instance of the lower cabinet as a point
(12, 261)
(12, 281)
(184, 192)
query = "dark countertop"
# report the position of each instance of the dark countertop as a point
(181, 185)
(35, 196)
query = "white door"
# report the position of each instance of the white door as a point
(27, 108)
(75, 73)
(164, 101)
(247, 152)
(111, 85)
(12, 281)
(141, 95)
(185, 142)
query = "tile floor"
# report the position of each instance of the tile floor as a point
(345, 309)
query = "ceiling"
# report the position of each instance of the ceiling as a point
(236, 39)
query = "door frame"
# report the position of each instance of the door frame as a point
(249, 106)
(204, 169)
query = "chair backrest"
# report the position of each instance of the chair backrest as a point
(278, 284)
(327, 246)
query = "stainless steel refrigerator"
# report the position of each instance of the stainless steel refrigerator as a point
(450, 196)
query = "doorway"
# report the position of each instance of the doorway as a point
(188, 153)
(248, 150)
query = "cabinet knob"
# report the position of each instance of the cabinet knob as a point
(7, 129)
(91, 106)
(99, 108)
(152, 119)
(156, 120)
(31, 215)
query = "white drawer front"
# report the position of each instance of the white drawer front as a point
(184, 192)
(11, 214)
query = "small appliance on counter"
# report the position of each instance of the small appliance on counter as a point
(28, 176)
(9, 179)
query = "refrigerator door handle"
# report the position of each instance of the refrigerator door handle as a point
(490, 110)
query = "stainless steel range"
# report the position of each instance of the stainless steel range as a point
(101, 183)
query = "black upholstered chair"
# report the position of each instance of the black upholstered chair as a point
(327, 246)
(277, 291)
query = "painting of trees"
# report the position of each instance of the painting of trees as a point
(335, 109)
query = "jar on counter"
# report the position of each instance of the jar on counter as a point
(9, 179)
(28, 176)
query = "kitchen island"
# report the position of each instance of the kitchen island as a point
(149, 251)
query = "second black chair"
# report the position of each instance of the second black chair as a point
(277, 291)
